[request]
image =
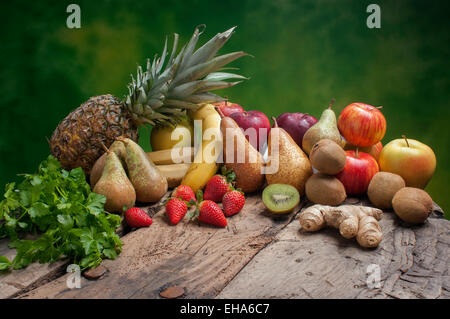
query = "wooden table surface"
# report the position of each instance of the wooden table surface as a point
(258, 255)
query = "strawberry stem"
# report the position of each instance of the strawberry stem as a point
(199, 196)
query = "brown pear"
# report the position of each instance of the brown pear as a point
(115, 185)
(97, 170)
(289, 163)
(147, 179)
(239, 155)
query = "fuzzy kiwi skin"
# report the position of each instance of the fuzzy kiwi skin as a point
(412, 205)
(325, 190)
(327, 157)
(383, 187)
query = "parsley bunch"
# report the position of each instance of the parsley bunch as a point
(69, 220)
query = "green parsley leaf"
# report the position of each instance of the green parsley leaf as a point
(69, 218)
(5, 264)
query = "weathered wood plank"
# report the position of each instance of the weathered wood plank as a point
(201, 259)
(413, 263)
(35, 274)
(20, 281)
(204, 260)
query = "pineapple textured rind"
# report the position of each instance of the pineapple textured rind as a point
(76, 142)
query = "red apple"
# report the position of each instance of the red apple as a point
(411, 159)
(359, 169)
(373, 150)
(296, 124)
(256, 120)
(362, 124)
(228, 108)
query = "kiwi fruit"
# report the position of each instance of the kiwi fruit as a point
(280, 198)
(325, 190)
(383, 187)
(328, 157)
(412, 205)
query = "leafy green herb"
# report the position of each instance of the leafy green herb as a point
(4, 263)
(69, 219)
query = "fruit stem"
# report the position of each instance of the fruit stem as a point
(122, 139)
(219, 111)
(104, 147)
(376, 108)
(331, 103)
(406, 140)
(357, 153)
(275, 124)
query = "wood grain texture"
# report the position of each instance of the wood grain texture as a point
(413, 263)
(36, 274)
(259, 255)
(200, 258)
(18, 282)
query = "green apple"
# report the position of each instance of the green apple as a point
(411, 159)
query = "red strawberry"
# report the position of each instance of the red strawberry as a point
(175, 210)
(184, 192)
(216, 187)
(210, 213)
(232, 203)
(137, 217)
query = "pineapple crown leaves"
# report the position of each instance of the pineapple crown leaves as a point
(168, 87)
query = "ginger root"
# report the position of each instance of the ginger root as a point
(352, 221)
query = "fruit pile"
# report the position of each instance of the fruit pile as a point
(326, 159)
(218, 189)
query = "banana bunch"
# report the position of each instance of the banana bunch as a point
(204, 165)
(174, 173)
(173, 163)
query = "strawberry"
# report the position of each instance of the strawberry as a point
(232, 203)
(184, 192)
(210, 213)
(176, 209)
(216, 187)
(137, 217)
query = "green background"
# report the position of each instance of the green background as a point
(304, 54)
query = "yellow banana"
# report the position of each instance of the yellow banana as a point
(204, 165)
(164, 157)
(174, 173)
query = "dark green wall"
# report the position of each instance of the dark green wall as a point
(305, 53)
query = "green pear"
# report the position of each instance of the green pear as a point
(115, 185)
(147, 179)
(96, 172)
(326, 127)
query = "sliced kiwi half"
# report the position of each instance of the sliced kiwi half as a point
(280, 198)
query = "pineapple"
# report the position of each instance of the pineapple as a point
(158, 96)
